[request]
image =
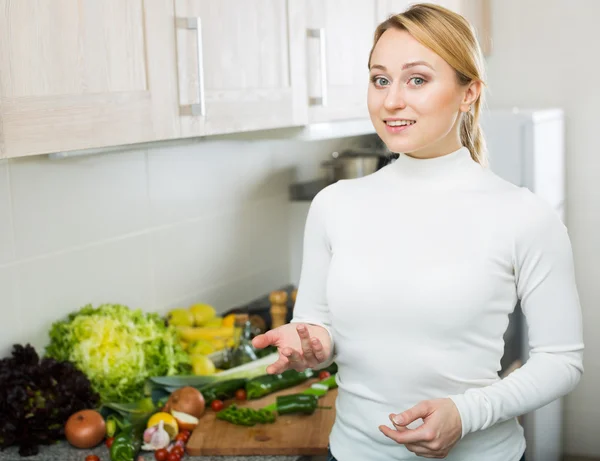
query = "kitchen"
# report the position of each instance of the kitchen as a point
(109, 195)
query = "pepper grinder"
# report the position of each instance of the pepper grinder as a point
(278, 301)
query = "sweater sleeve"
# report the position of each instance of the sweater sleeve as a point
(545, 283)
(311, 301)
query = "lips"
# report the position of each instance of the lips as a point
(399, 122)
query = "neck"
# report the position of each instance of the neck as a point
(438, 168)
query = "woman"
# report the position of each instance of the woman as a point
(409, 274)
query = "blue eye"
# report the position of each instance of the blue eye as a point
(380, 81)
(418, 81)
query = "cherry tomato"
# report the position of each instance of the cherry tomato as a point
(174, 457)
(179, 450)
(324, 375)
(109, 441)
(181, 436)
(240, 394)
(217, 405)
(92, 458)
(187, 433)
(161, 455)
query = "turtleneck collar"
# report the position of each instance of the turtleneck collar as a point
(449, 166)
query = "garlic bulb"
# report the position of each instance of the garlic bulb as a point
(156, 437)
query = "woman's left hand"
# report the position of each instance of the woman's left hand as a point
(441, 428)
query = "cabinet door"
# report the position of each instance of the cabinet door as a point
(78, 74)
(338, 40)
(243, 68)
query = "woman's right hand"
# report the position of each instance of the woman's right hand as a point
(300, 346)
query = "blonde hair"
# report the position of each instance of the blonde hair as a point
(452, 37)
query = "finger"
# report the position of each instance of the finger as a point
(398, 428)
(296, 361)
(422, 451)
(420, 410)
(318, 350)
(305, 343)
(278, 366)
(266, 339)
(422, 435)
(389, 432)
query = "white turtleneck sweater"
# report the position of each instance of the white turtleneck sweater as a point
(414, 270)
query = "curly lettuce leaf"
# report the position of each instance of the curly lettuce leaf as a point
(118, 349)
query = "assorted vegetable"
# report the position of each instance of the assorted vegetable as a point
(85, 429)
(187, 400)
(296, 403)
(37, 397)
(246, 416)
(128, 442)
(133, 364)
(118, 349)
(223, 390)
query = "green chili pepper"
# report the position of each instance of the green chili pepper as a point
(246, 416)
(128, 441)
(114, 424)
(222, 390)
(297, 403)
(267, 384)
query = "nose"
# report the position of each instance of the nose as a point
(394, 99)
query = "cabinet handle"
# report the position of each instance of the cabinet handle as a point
(320, 35)
(199, 108)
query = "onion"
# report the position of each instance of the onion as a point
(85, 429)
(187, 400)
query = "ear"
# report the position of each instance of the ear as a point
(471, 95)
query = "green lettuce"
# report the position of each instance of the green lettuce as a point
(118, 349)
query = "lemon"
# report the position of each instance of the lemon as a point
(202, 365)
(202, 313)
(181, 317)
(214, 322)
(229, 320)
(201, 347)
(169, 422)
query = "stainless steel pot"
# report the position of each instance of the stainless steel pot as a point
(353, 164)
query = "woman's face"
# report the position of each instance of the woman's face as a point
(415, 98)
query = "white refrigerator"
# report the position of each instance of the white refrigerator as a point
(527, 148)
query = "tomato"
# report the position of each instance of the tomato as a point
(324, 375)
(240, 394)
(92, 458)
(217, 405)
(161, 455)
(181, 436)
(179, 450)
(109, 441)
(174, 457)
(187, 433)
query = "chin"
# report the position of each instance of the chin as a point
(396, 145)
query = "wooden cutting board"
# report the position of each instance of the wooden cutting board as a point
(288, 435)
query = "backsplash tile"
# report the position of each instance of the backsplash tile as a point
(197, 221)
(64, 203)
(116, 272)
(190, 180)
(11, 325)
(6, 227)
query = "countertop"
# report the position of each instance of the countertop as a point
(62, 451)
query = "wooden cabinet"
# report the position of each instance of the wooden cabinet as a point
(244, 68)
(78, 74)
(81, 74)
(339, 37)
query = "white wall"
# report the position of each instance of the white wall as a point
(199, 221)
(547, 54)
